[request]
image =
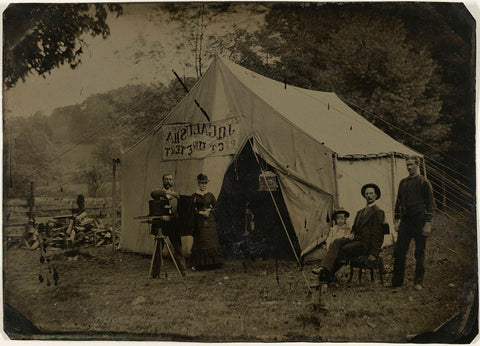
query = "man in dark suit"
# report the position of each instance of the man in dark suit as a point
(170, 228)
(368, 231)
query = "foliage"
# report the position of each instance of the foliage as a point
(41, 37)
(366, 59)
(96, 176)
(27, 146)
(207, 29)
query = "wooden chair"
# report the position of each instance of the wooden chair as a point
(363, 263)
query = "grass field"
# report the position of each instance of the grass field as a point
(106, 295)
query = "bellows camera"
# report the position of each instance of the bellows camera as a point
(159, 207)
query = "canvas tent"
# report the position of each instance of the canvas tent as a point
(321, 150)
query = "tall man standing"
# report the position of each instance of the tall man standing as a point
(413, 216)
(170, 227)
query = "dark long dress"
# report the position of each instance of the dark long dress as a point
(206, 249)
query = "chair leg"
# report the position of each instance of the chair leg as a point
(351, 274)
(371, 274)
(380, 271)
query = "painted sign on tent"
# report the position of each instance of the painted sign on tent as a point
(199, 140)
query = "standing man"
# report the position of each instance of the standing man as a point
(170, 227)
(413, 216)
(368, 236)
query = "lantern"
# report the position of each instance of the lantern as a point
(270, 178)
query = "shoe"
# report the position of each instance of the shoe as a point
(418, 287)
(317, 270)
(326, 276)
(194, 269)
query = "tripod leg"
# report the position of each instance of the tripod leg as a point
(173, 258)
(153, 258)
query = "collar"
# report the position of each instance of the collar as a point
(201, 193)
(371, 204)
(415, 176)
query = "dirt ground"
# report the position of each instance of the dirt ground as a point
(109, 296)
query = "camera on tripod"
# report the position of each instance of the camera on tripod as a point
(161, 210)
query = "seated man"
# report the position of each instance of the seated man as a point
(368, 233)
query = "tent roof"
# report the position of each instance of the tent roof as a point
(322, 115)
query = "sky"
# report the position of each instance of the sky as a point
(140, 49)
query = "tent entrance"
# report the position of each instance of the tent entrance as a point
(239, 192)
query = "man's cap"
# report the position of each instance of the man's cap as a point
(415, 158)
(374, 186)
(340, 211)
(202, 178)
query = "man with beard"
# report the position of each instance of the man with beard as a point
(368, 236)
(170, 228)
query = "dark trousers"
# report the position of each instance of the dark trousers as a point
(411, 226)
(341, 249)
(170, 230)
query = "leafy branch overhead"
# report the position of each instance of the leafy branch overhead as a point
(41, 37)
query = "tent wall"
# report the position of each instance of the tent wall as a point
(353, 174)
(223, 96)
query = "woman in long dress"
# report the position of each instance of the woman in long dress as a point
(206, 249)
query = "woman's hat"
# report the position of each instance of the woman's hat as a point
(202, 178)
(375, 187)
(340, 211)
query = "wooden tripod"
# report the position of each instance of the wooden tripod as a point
(157, 259)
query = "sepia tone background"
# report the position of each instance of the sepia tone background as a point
(82, 83)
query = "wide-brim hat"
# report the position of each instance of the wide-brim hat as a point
(202, 178)
(374, 186)
(340, 211)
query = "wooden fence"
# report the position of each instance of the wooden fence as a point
(18, 212)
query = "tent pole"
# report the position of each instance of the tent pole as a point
(281, 218)
(393, 180)
(114, 209)
(424, 168)
(276, 206)
(335, 177)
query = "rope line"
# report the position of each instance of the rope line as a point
(454, 210)
(380, 131)
(444, 166)
(449, 187)
(453, 202)
(403, 131)
(448, 177)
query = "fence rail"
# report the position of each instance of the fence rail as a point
(17, 212)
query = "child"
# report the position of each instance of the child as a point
(340, 229)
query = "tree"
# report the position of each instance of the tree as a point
(369, 62)
(27, 146)
(365, 58)
(41, 37)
